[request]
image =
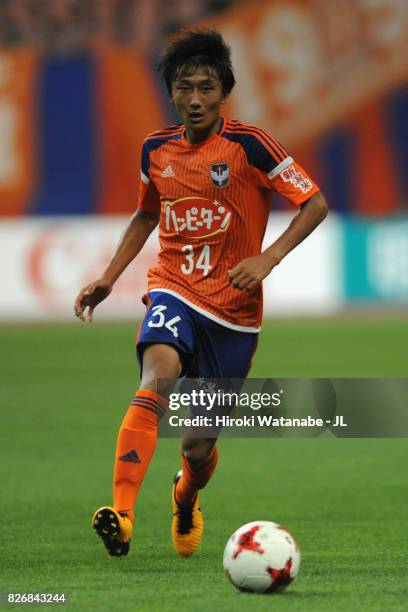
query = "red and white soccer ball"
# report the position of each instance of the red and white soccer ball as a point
(261, 557)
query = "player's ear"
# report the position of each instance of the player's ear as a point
(225, 98)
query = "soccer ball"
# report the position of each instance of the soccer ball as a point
(261, 557)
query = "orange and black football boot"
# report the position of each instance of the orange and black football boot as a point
(115, 529)
(187, 525)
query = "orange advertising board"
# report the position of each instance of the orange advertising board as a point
(303, 65)
(17, 135)
(128, 109)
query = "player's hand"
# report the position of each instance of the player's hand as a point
(250, 272)
(90, 297)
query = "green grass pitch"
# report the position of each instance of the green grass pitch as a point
(64, 390)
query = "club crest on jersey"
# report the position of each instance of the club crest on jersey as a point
(220, 174)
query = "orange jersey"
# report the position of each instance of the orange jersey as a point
(214, 199)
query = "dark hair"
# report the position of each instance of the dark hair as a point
(197, 48)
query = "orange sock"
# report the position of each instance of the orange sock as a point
(195, 477)
(135, 446)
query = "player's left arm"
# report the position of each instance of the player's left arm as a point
(250, 272)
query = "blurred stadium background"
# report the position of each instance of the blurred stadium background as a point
(79, 91)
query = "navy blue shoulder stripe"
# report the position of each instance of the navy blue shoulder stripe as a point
(256, 153)
(275, 147)
(165, 131)
(155, 142)
(151, 144)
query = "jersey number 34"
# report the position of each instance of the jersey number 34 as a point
(170, 324)
(200, 262)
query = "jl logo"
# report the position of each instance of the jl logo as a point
(220, 174)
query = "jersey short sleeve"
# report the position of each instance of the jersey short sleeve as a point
(273, 167)
(293, 183)
(149, 198)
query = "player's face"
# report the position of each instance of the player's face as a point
(198, 98)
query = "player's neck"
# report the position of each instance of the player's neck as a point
(197, 136)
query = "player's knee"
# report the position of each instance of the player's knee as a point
(196, 451)
(160, 362)
(159, 383)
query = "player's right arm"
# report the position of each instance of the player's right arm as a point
(141, 225)
(137, 232)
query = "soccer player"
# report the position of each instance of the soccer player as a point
(207, 182)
